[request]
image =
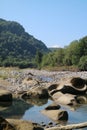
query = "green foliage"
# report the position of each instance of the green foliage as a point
(38, 58)
(83, 63)
(17, 47)
(73, 55)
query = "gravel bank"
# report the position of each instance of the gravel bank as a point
(15, 78)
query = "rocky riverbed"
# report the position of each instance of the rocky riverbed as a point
(31, 83)
(16, 80)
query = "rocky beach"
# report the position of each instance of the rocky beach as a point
(64, 87)
(22, 80)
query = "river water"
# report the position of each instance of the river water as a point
(19, 109)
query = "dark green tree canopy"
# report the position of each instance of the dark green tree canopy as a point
(17, 44)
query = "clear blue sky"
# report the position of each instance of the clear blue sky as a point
(55, 22)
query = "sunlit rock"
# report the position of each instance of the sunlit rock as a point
(56, 115)
(24, 125)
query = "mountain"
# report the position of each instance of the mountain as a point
(16, 45)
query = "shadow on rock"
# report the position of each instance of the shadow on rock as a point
(5, 104)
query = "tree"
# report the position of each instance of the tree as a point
(83, 63)
(38, 58)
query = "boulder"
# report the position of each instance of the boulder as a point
(65, 99)
(5, 125)
(56, 115)
(81, 99)
(53, 107)
(78, 83)
(74, 86)
(69, 91)
(69, 99)
(24, 125)
(5, 96)
(36, 92)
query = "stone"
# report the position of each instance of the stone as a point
(24, 125)
(53, 107)
(67, 90)
(5, 96)
(78, 82)
(66, 99)
(81, 99)
(5, 125)
(56, 115)
(36, 92)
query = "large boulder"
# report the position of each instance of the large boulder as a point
(36, 92)
(74, 85)
(5, 96)
(67, 92)
(56, 115)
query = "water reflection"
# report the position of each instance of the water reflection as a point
(36, 101)
(34, 114)
(29, 109)
(14, 110)
(5, 104)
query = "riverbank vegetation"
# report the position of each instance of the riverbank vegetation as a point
(72, 56)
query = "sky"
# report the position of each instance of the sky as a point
(55, 22)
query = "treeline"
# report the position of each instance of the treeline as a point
(73, 55)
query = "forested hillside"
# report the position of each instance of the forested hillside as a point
(17, 47)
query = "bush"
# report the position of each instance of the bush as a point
(83, 63)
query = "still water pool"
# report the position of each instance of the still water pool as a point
(19, 109)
